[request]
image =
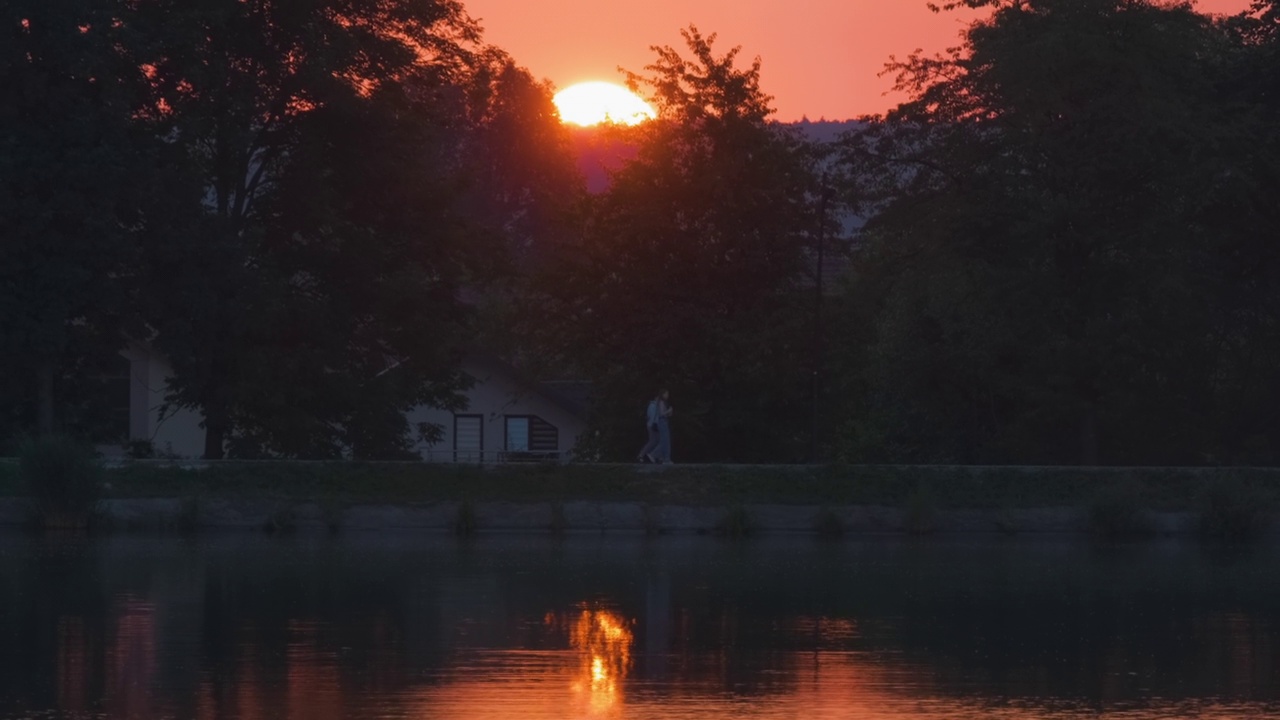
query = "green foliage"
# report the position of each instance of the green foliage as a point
(140, 449)
(63, 477)
(283, 199)
(687, 275)
(316, 296)
(1068, 271)
(79, 184)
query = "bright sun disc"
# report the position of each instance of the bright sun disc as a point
(591, 103)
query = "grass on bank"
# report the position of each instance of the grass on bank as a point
(1186, 489)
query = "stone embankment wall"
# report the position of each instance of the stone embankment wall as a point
(589, 517)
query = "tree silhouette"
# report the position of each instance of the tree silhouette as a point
(689, 270)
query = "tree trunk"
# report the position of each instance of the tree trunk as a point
(44, 399)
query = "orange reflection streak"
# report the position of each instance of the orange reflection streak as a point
(603, 642)
(131, 662)
(73, 664)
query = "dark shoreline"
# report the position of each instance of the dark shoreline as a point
(611, 518)
(829, 500)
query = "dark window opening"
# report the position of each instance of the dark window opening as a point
(468, 438)
(530, 437)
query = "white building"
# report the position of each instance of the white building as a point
(509, 417)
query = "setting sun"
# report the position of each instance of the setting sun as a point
(591, 103)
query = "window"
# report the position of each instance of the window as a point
(468, 438)
(531, 434)
(517, 434)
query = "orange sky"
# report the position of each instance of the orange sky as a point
(820, 57)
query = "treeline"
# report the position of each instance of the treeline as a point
(1074, 252)
(284, 199)
(1069, 256)
(1065, 248)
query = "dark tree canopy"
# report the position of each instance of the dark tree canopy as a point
(313, 210)
(318, 296)
(687, 274)
(1050, 258)
(76, 178)
(288, 201)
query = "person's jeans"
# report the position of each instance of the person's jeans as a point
(664, 440)
(652, 445)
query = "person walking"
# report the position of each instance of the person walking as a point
(664, 427)
(651, 415)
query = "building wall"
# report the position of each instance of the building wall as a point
(173, 432)
(494, 396)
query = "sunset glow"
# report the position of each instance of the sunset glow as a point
(592, 103)
(820, 59)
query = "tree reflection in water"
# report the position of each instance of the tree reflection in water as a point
(250, 628)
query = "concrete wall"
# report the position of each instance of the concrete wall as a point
(605, 518)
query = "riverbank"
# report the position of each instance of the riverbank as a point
(182, 514)
(725, 499)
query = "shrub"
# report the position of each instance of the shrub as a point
(63, 477)
(139, 449)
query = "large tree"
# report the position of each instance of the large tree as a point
(316, 297)
(77, 175)
(690, 272)
(1045, 261)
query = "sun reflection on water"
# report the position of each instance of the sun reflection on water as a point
(602, 640)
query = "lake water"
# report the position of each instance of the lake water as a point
(407, 626)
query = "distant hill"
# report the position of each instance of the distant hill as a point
(825, 130)
(599, 152)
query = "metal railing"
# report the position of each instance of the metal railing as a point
(493, 457)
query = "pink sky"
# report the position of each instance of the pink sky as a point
(820, 58)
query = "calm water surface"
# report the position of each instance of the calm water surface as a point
(406, 626)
